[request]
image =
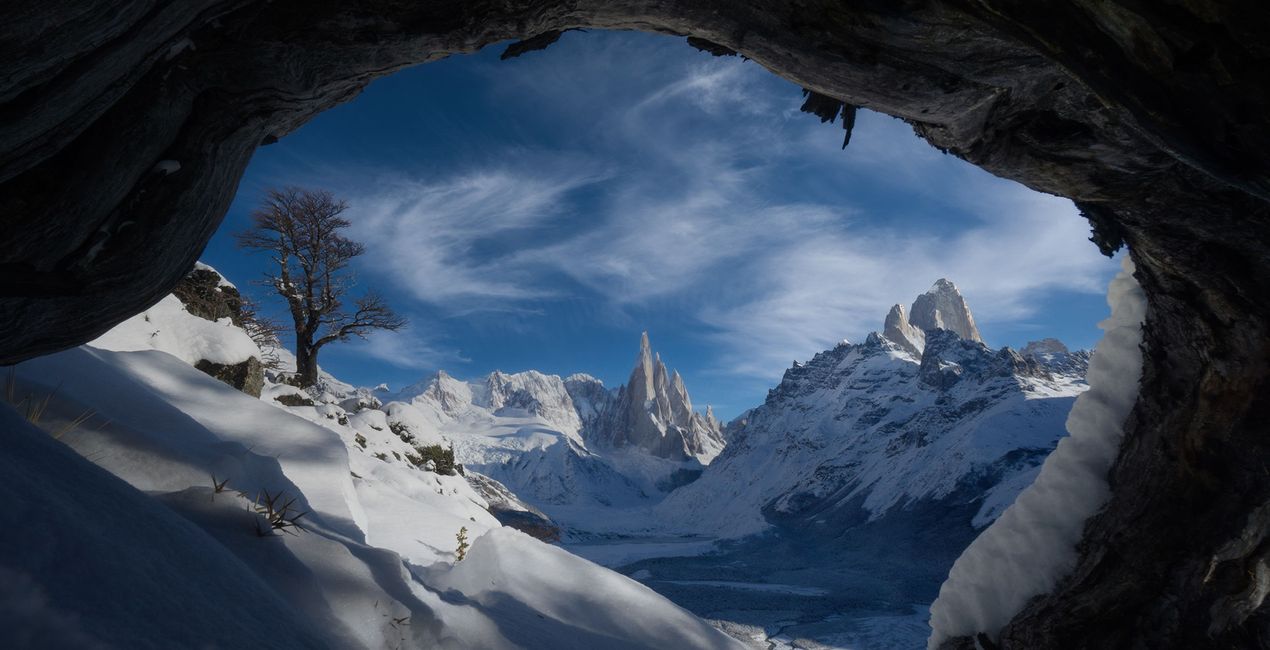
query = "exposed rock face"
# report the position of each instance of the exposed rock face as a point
(248, 376)
(862, 431)
(1044, 347)
(654, 413)
(127, 126)
(903, 334)
(207, 295)
(948, 357)
(943, 308)
(1052, 355)
(543, 395)
(511, 511)
(590, 398)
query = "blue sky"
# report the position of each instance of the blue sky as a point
(541, 212)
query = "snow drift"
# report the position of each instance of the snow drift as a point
(1033, 544)
(118, 537)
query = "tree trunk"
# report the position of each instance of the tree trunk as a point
(306, 368)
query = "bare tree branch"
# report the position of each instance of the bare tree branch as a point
(300, 229)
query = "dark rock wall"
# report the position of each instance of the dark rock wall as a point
(1151, 115)
(202, 294)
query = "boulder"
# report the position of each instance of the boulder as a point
(247, 376)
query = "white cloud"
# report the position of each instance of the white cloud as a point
(454, 242)
(407, 348)
(685, 201)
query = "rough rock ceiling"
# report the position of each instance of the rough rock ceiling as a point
(125, 127)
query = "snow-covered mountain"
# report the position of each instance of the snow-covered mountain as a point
(569, 444)
(915, 414)
(654, 413)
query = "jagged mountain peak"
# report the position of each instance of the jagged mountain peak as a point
(645, 349)
(862, 429)
(898, 329)
(1043, 347)
(940, 308)
(653, 412)
(943, 307)
(582, 378)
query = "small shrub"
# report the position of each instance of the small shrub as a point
(461, 551)
(359, 439)
(279, 514)
(402, 431)
(396, 455)
(381, 456)
(219, 487)
(32, 409)
(441, 457)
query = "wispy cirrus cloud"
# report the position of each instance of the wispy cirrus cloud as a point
(698, 189)
(456, 241)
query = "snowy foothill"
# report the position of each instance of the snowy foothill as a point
(863, 424)
(1033, 544)
(167, 327)
(144, 530)
(603, 609)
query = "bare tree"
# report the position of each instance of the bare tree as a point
(301, 230)
(265, 332)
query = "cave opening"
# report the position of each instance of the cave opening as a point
(539, 212)
(130, 127)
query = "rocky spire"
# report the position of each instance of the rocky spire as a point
(903, 334)
(943, 308)
(643, 372)
(654, 412)
(680, 403)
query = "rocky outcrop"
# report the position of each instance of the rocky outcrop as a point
(1043, 348)
(862, 431)
(247, 376)
(943, 308)
(206, 294)
(127, 126)
(511, 511)
(654, 413)
(948, 358)
(1054, 356)
(590, 398)
(902, 333)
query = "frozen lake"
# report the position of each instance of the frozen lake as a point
(863, 586)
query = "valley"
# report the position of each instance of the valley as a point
(826, 517)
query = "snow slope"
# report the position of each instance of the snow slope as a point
(916, 414)
(89, 562)
(374, 566)
(169, 328)
(569, 447)
(869, 427)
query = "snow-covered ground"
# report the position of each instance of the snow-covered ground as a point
(128, 544)
(828, 521)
